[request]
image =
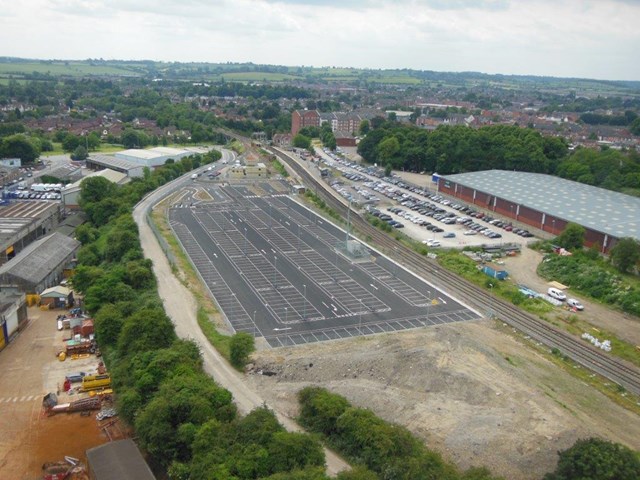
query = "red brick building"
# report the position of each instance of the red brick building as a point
(304, 118)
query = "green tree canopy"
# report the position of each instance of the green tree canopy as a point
(572, 237)
(242, 345)
(625, 254)
(596, 459)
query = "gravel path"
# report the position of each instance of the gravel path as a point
(180, 306)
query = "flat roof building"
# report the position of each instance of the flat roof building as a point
(549, 203)
(100, 162)
(153, 157)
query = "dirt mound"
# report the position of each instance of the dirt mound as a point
(470, 391)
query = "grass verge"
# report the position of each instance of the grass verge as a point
(207, 313)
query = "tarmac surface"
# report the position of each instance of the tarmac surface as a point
(279, 271)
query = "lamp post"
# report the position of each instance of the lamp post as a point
(245, 241)
(233, 300)
(298, 238)
(491, 300)
(286, 314)
(255, 327)
(275, 271)
(395, 263)
(304, 308)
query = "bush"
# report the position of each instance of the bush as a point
(242, 345)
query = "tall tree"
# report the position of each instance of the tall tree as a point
(625, 254)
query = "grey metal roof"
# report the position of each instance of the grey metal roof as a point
(108, 161)
(119, 460)
(613, 213)
(40, 258)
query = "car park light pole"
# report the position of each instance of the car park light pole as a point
(275, 271)
(491, 300)
(255, 327)
(286, 314)
(245, 241)
(304, 308)
(233, 300)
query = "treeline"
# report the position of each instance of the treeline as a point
(388, 450)
(382, 450)
(458, 149)
(183, 419)
(615, 120)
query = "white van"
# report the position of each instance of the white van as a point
(557, 294)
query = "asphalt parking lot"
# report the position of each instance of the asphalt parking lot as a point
(279, 271)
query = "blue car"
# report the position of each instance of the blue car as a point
(449, 235)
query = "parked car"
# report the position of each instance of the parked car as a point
(573, 303)
(431, 243)
(449, 235)
(470, 232)
(557, 294)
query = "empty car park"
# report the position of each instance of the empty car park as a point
(279, 271)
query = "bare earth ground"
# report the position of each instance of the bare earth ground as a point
(29, 371)
(454, 387)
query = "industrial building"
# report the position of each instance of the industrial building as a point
(100, 162)
(13, 314)
(549, 203)
(118, 460)
(71, 193)
(24, 222)
(41, 264)
(153, 157)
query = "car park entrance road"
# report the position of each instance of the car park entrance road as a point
(279, 271)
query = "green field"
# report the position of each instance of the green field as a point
(75, 69)
(257, 77)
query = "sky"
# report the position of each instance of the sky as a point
(563, 38)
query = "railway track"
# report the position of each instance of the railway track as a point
(584, 354)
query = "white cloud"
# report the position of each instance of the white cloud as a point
(596, 39)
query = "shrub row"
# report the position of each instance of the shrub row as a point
(183, 419)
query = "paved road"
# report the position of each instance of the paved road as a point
(180, 305)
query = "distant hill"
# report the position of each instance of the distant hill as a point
(21, 69)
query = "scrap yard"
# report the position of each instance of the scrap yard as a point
(56, 405)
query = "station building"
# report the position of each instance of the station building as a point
(549, 203)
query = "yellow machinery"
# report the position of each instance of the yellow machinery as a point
(95, 382)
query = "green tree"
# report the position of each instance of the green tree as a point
(80, 153)
(301, 141)
(596, 459)
(635, 127)
(388, 149)
(364, 127)
(147, 329)
(71, 142)
(290, 450)
(94, 189)
(572, 237)
(19, 146)
(625, 254)
(242, 345)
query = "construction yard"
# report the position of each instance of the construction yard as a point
(30, 370)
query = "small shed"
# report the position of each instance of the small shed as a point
(119, 460)
(57, 297)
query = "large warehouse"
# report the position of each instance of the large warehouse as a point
(100, 162)
(549, 203)
(153, 157)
